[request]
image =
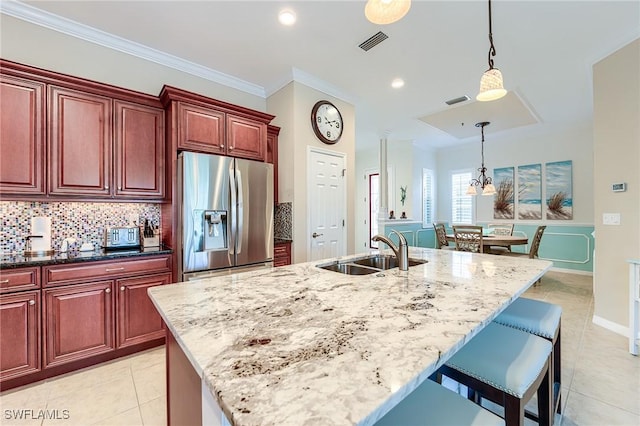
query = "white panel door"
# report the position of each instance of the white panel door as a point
(327, 205)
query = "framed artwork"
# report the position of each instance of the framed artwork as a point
(559, 190)
(530, 192)
(503, 201)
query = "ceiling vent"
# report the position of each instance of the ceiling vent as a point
(457, 100)
(373, 41)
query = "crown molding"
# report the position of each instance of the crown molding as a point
(321, 85)
(45, 19)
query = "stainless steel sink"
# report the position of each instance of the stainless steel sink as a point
(367, 265)
(383, 261)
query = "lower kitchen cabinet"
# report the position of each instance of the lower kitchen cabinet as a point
(282, 253)
(138, 319)
(78, 322)
(20, 334)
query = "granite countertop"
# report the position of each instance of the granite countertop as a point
(11, 261)
(302, 345)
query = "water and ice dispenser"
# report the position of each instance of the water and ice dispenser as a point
(214, 232)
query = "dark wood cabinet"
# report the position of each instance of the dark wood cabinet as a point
(139, 150)
(80, 145)
(246, 138)
(22, 136)
(78, 322)
(19, 334)
(282, 253)
(200, 129)
(138, 319)
(12, 280)
(272, 156)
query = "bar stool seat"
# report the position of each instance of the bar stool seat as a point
(542, 319)
(506, 366)
(432, 404)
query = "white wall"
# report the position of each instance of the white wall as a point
(406, 160)
(292, 105)
(616, 83)
(34, 45)
(521, 148)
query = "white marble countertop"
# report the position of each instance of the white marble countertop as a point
(301, 345)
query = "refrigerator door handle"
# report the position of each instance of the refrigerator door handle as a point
(232, 207)
(240, 210)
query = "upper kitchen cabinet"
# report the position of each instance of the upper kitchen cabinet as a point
(66, 137)
(208, 125)
(139, 150)
(22, 136)
(79, 143)
(272, 156)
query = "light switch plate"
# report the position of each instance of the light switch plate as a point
(611, 218)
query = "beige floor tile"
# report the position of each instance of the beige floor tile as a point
(148, 358)
(154, 412)
(584, 411)
(127, 418)
(24, 406)
(88, 377)
(150, 382)
(616, 389)
(91, 404)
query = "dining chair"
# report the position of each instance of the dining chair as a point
(500, 229)
(441, 236)
(468, 238)
(535, 244)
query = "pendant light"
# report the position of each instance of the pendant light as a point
(491, 86)
(384, 12)
(483, 181)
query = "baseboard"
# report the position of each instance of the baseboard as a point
(571, 271)
(611, 326)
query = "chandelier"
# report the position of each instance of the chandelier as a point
(384, 12)
(483, 181)
(491, 86)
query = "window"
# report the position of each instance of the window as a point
(461, 204)
(427, 198)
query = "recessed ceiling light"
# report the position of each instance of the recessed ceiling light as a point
(397, 83)
(287, 17)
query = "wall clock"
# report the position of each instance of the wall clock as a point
(326, 121)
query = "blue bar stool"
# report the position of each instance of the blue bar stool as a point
(432, 404)
(506, 366)
(542, 319)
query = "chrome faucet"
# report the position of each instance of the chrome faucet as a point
(401, 252)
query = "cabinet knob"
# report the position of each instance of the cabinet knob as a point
(4, 281)
(106, 187)
(107, 290)
(122, 288)
(221, 146)
(230, 148)
(32, 302)
(119, 188)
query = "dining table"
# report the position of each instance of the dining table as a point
(497, 240)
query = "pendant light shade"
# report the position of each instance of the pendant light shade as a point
(384, 12)
(491, 86)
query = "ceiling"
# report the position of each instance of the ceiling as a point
(545, 50)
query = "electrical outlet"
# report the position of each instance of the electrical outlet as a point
(611, 218)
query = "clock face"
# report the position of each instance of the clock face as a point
(326, 121)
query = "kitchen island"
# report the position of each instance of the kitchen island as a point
(303, 345)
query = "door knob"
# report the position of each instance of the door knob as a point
(314, 235)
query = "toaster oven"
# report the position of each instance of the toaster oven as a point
(121, 237)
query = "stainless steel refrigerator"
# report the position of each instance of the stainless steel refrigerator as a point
(226, 214)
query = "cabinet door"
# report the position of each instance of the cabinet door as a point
(78, 322)
(79, 143)
(139, 145)
(272, 157)
(282, 254)
(19, 334)
(200, 129)
(21, 136)
(246, 138)
(138, 319)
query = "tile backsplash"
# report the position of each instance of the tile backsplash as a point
(283, 221)
(84, 221)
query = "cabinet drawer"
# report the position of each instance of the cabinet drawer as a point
(19, 279)
(57, 275)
